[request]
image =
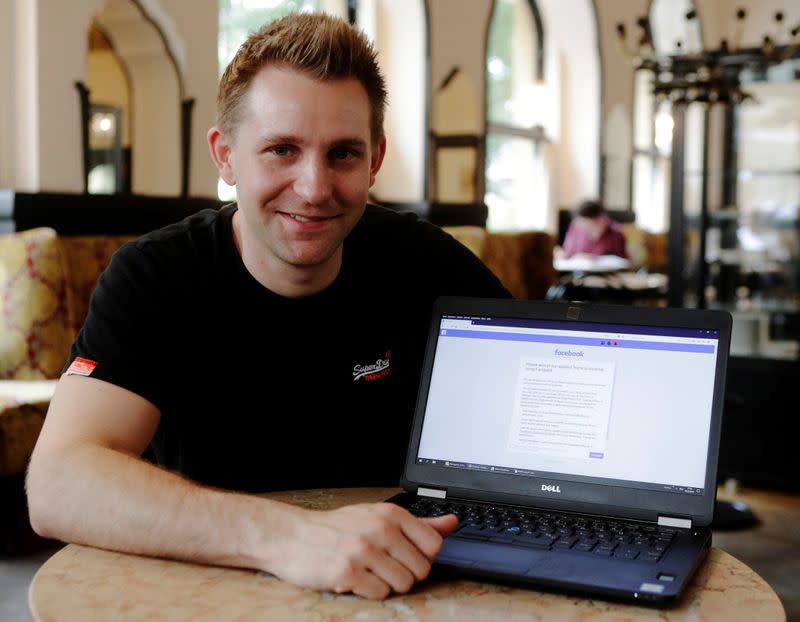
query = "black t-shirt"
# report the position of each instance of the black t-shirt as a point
(261, 392)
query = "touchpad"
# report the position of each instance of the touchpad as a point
(490, 556)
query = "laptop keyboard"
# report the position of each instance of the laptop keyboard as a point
(552, 530)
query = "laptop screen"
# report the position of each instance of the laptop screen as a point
(625, 405)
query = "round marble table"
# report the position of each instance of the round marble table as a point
(83, 583)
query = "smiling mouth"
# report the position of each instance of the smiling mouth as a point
(299, 218)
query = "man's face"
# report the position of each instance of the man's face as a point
(302, 160)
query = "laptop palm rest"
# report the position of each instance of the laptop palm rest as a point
(497, 557)
(547, 566)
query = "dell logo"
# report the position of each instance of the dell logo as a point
(550, 488)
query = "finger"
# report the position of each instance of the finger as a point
(390, 570)
(422, 535)
(368, 585)
(444, 525)
(391, 538)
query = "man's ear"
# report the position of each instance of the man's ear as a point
(221, 152)
(378, 152)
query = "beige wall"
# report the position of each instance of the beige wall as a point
(45, 54)
(573, 58)
(719, 21)
(399, 35)
(458, 38)
(47, 58)
(7, 42)
(196, 21)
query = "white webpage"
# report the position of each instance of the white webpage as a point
(630, 407)
(561, 407)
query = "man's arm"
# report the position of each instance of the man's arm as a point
(87, 484)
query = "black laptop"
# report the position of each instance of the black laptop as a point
(577, 443)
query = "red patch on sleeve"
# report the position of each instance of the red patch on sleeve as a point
(81, 367)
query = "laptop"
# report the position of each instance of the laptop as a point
(577, 443)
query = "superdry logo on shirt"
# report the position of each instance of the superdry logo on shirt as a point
(372, 371)
(81, 367)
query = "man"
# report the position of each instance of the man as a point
(272, 344)
(592, 232)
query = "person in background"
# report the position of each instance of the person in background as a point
(275, 343)
(593, 232)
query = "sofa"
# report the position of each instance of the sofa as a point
(46, 282)
(522, 260)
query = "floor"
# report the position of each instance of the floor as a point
(772, 548)
(15, 576)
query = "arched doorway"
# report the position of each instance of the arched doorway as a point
(148, 54)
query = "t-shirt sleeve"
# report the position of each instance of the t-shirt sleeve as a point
(127, 323)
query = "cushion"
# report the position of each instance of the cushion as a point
(35, 330)
(635, 244)
(523, 261)
(23, 405)
(87, 257)
(474, 238)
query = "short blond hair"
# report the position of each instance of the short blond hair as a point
(320, 45)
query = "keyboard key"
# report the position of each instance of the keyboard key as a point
(544, 530)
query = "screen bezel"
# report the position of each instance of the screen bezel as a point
(581, 496)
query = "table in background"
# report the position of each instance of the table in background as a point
(606, 279)
(83, 583)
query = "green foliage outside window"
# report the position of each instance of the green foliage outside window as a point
(498, 65)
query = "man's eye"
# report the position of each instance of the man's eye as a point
(341, 154)
(281, 150)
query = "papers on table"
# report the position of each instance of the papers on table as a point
(591, 263)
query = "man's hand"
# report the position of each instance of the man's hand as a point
(370, 549)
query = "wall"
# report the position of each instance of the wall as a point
(459, 42)
(196, 21)
(617, 107)
(45, 54)
(398, 30)
(573, 58)
(718, 19)
(7, 155)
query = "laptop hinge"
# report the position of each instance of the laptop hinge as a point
(431, 492)
(671, 521)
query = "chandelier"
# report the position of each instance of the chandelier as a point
(712, 75)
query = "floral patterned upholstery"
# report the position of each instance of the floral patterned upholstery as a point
(46, 282)
(87, 257)
(34, 312)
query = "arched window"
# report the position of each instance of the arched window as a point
(240, 18)
(516, 99)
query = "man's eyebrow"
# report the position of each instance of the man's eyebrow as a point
(350, 142)
(268, 139)
(290, 139)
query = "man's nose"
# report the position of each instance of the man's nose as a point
(314, 181)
